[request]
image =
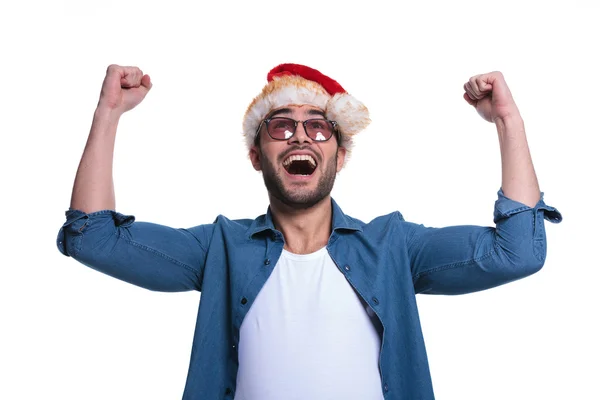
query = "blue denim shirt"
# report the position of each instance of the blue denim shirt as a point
(387, 261)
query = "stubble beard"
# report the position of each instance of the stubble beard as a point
(299, 198)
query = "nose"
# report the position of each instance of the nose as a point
(300, 136)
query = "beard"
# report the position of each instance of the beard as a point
(298, 198)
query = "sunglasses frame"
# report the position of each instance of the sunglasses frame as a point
(268, 120)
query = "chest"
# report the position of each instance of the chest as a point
(308, 290)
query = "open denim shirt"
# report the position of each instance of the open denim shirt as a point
(387, 261)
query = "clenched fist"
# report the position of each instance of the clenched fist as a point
(490, 96)
(123, 88)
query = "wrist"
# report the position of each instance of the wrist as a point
(509, 115)
(104, 114)
(510, 126)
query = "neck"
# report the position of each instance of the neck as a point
(305, 230)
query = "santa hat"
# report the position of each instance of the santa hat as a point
(294, 84)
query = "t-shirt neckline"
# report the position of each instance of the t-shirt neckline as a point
(304, 257)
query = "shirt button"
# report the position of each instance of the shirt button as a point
(386, 388)
(267, 261)
(227, 391)
(347, 268)
(375, 300)
(244, 300)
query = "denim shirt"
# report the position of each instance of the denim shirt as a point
(387, 261)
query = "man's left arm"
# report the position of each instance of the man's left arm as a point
(490, 96)
(464, 259)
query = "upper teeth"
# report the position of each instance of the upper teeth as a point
(300, 157)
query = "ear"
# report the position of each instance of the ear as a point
(341, 156)
(254, 155)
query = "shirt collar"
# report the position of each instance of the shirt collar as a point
(264, 223)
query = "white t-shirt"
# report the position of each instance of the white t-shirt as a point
(308, 335)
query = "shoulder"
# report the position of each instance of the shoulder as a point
(391, 223)
(221, 226)
(222, 222)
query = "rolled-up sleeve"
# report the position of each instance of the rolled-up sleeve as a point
(464, 259)
(151, 256)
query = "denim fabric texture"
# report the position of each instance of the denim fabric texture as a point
(387, 261)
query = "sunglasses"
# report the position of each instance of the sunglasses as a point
(281, 128)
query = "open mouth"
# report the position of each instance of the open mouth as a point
(300, 164)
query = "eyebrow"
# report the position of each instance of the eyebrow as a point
(316, 112)
(280, 111)
(312, 111)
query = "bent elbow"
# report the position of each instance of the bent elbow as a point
(530, 268)
(524, 262)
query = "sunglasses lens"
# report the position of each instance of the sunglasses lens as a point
(281, 128)
(319, 129)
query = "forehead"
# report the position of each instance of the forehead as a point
(298, 110)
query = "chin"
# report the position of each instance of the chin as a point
(299, 199)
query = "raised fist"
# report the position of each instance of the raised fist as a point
(123, 88)
(490, 96)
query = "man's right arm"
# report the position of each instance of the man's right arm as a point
(152, 256)
(123, 89)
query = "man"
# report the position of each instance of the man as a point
(305, 302)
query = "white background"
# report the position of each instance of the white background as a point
(69, 332)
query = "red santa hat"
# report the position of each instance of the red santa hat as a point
(294, 84)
